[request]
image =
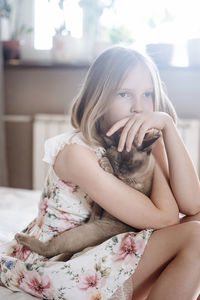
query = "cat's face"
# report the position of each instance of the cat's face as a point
(133, 160)
(129, 162)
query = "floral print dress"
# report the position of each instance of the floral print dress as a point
(102, 272)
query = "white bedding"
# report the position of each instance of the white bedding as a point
(18, 208)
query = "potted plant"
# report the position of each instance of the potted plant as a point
(63, 43)
(193, 49)
(5, 9)
(11, 47)
(160, 52)
(67, 48)
(92, 29)
(121, 34)
(92, 11)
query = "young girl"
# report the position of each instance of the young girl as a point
(122, 90)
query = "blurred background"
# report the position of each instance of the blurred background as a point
(46, 48)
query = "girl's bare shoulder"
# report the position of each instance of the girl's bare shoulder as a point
(74, 158)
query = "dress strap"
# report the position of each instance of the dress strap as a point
(55, 144)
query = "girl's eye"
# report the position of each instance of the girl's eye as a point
(124, 95)
(147, 95)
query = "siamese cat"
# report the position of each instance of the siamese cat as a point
(134, 168)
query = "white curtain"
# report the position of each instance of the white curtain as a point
(3, 159)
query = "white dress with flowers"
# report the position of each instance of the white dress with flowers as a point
(102, 272)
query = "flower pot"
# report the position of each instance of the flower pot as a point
(11, 49)
(67, 49)
(161, 54)
(193, 50)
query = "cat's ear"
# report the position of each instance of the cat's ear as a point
(112, 140)
(108, 141)
(148, 142)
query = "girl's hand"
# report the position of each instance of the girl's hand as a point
(138, 125)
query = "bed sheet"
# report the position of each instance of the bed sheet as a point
(18, 207)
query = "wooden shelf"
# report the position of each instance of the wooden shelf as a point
(14, 63)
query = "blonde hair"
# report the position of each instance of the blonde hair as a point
(102, 80)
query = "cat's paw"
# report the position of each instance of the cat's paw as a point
(30, 242)
(19, 238)
(24, 239)
(105, 165)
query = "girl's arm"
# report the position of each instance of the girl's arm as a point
(160, 155)
(80, 165)
(183, 178)
(160, 187)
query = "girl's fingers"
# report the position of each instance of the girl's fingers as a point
(131, 128)
(117, 125)
(143, 129)
(132, 134)
(123, 136)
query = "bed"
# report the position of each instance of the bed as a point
(17, 208)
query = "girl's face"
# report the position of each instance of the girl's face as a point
(135, 95)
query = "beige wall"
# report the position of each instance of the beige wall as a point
(31, 90)
(19, 151)
(41, 90)
(50, 90)
(183, 86)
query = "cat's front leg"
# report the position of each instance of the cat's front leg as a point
(106, 165)
(34, 244)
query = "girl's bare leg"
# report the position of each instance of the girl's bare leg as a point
(191, 218)
(170, 266)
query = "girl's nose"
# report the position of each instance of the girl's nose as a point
(136, 106)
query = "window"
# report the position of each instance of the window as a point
(147, 21)
(49, 17)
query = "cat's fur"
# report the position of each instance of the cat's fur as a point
(135, 168)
